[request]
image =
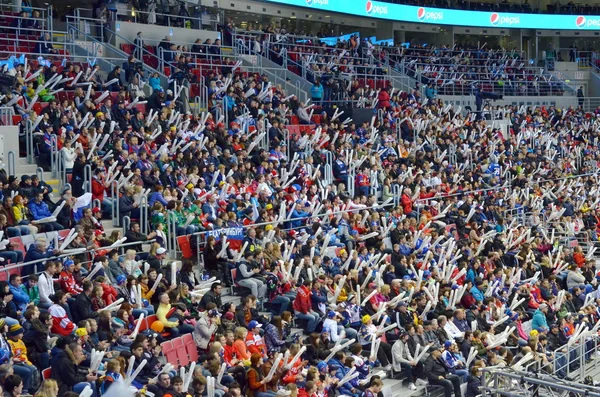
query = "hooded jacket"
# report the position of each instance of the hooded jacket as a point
(36, 340)
(66, 372)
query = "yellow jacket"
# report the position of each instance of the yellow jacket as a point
(19, 350)
(19, 212)
(161, 314)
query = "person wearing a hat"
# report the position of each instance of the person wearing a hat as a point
(331, 325)
(19, 357)
(206, 325)
(454, 360)
(67, 281)
(477, 290)
(367, 332)
(403, 362)
(255, 342)
(439, 375)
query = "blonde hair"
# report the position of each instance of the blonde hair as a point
(49, 388)
(240, 332)
(216, 347)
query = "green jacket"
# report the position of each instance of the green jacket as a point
(34, 293)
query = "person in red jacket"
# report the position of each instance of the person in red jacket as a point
(309, 390)
(99, 186)
(383, 99)
(407, 204)
(67, 281)
(303, 308)
(255, 342)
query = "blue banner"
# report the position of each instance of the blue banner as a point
(373, 40)
(439, 16)
(235, 236)
(332, 41)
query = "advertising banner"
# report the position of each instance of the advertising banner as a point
(439, 16)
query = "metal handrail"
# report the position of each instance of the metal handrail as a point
(115, 204)
(87, 178)
(8, 268)
(29, 140)
(11, 163)
(6, 115)
(144, 220)
(53, 154)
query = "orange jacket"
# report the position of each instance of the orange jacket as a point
(240, 349)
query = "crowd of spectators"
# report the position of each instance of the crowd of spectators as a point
(351, 69)
(456, 70)
(438, 230)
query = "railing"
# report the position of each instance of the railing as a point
(275, 78)
(6, 115)
(589, 104)
(7, 269)
(501, 381)
(45, 14)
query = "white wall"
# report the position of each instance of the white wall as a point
(9, 140)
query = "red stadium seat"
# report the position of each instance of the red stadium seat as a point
(184, 245)
(190, 346)
(168, 350)
(17, 244)
(46, 373)
(182, 355)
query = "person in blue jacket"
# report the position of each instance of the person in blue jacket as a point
(341, 365)
(340, 171)
(37, 251)
(316, 92)
(39, 210)
(539, 317)
(477, 291)
(20, 297)
(318, 298)
(298, 216)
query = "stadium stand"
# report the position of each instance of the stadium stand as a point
(261, 245)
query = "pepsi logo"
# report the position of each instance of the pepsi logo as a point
(495, 18)
(373, 9)
(309, 2)
(580, 21)
(421, 13)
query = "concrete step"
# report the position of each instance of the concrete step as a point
(21, 161)
(25, 169)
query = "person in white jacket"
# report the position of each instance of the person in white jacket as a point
(68, 155)
(403, 361)
(451, 329)
(46, 285)
(331, 325)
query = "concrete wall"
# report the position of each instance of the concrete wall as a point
(153, 34)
